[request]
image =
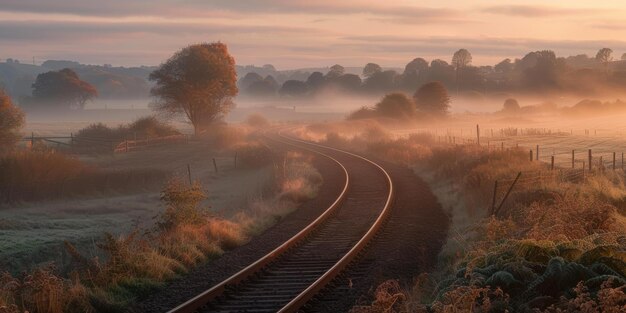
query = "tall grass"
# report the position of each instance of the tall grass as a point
(557, 245)
(45, 174)
(138, 263)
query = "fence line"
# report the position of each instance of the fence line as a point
(111, 145)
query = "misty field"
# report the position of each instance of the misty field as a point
(34, 232)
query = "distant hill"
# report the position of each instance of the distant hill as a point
(111, 82)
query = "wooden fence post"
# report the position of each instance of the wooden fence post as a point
(493, 200)
(537, 153)
(189, 174)
(572, 158)
(589, 160)
(613, 160)
(215, 165)
(531, 155)
(507, 193)
(601, 164)
(478, 134)
(552, 163)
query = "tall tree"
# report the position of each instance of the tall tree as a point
(11, 121)
(199, 81)
(504, 66)
(349, 82)
(335, 71)
(371, 68)
(62, 88)
(432, 99)
(460, 59)
(315, 81)
(294, 88)
(381, 82)
(249, 79)
(604, 56)
(414, 73)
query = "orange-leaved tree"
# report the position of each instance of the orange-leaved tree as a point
(199, 81)
(11, 121)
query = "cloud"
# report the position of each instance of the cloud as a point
(485, 46)
(195, 8)
(51, 30)
(535, 11)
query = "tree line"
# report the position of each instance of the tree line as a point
(536, 72)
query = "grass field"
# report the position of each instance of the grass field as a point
(33, 233)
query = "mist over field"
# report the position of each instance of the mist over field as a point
(294, 156)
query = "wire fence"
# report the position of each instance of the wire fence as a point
(566, 156)
(82, 144)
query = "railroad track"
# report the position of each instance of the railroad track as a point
(285, 279)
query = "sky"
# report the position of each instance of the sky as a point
(307, 33)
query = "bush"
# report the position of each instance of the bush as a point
(101, 138)
(393, 105)
(182, 203)
(396, 105)
(148, 127)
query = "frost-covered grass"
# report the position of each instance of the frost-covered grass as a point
(555, 246)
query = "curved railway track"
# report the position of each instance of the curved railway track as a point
(285, 279)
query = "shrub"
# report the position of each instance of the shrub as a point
(42, 291)
(396, 105)
(99, 137)
(182, 203)
(148, 127)
(432, 99)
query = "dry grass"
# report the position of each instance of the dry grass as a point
(557, 245)
(46, 174)
(137, 264)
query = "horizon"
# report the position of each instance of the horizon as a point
(297, 34)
